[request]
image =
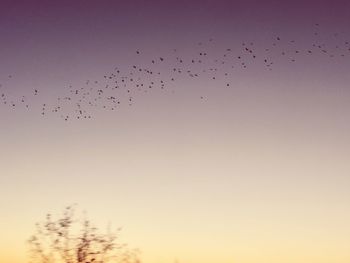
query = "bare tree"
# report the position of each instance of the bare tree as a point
(71, 240)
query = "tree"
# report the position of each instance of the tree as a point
(71, 240)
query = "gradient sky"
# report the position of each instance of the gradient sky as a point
(254, 173)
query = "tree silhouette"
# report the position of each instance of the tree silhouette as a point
(72, 240)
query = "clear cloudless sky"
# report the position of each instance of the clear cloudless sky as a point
(257, 172)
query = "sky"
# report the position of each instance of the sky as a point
(248, 167)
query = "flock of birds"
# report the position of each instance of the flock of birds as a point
(120, 86)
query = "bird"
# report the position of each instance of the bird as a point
(124, 84)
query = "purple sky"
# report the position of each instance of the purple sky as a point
(259, 165)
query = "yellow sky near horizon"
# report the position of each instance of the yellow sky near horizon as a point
(224, 184)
